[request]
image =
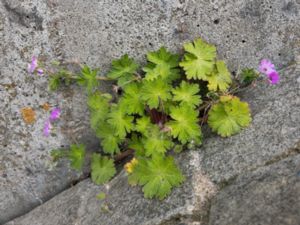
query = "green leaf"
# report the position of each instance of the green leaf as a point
(101, 196)
(120, 122)
(162, 64)
(247, 76)
(88, 78)
(155, 91)
(228, 116)
(157, 175)
(76, 156)
(220, 79)
(102, 169)
(54, 82)
(186, 94)
(99, 108)
(199, 59)
(131, 101)
(123, 69)
(136, 144)
(143, 124)
(109, 141)
(156, 142)
(185, 124)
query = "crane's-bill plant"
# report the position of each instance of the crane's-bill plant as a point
(156, 111)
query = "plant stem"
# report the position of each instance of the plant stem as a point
(123, 155)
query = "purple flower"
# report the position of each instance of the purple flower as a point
(273, 77)
(55, 114)
(266, 66)
(47, 128)
(40, 71)
(33, 65)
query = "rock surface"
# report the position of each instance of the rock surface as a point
(238, 167)
(269, 195)
(95, 32)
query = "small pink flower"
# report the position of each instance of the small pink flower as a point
(273, 77)
(47, 128)
(266, 66)
(33, 65)
(55, 114)
(40, 71)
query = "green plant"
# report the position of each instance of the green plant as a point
(156, 110)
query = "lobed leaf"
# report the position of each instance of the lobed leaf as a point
(199, 59)
(184, 125)
(229, 116)
(123, 69)
(220, 79)
(186, 94)
(102, 169)
(162, 64)
(76, 156)
(157, 175)
(153, 92)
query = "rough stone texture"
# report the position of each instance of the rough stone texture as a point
(270, 195)
(126, 204)
(213, 167)
(273, 134)
(96, 31)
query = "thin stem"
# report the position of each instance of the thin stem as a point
(123, 155)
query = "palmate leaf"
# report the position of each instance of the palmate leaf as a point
(123, 69)
(198, 60)
(220, 79)
(131, 101)
(247, 76)
(162, 64)
(186, 94)
(102, 169)
(157, 175)
(155, 91)
(99, 108)
(143, 124)
(229, 116)
(76, 156)
(156, 142)
(184, 125)
(120, 122)
(136, 144)
(109, 141)
(88, 78)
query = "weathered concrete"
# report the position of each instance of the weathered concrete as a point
(97, 31)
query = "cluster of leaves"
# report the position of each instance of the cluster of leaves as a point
(157, 111)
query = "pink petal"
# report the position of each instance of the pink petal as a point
(273, 77)
(47, 128)
(266, 66)
(55, 114)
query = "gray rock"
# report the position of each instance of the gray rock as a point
(124, 204)
(269, 195)
(272, 135)
(26, 178)
(213, 167)
(95, 32)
